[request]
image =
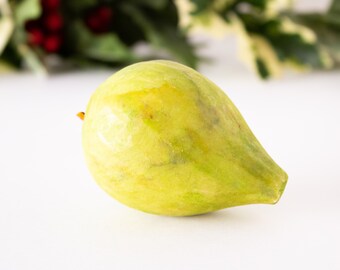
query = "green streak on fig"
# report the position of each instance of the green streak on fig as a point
(160, 137)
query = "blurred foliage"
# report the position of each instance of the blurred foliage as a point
(271, 35)
(108, 32)
(89, 32)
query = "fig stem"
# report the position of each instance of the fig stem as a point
(81, 115)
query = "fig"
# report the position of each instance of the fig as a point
(160, 137)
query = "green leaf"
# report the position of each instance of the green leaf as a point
(11, 56)
(256, 51)
(334, 7)
(79, 5)
(32, 59)
(262, 68)
(170, 38)
(163, 35)
(261, 4)
(6, 67)
(157, 5)
(105, 47)
(201, 5)
(108, 48)
(292, 47)
(328, 36)
(26, 10)
(333, 14)
(292, 43)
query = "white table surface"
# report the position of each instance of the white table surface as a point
(54, 216)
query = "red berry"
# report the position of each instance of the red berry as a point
(93, 23)
(50, 4)
(35, 37)
(52, 43)
(99, 20)
(105, 14)
(53, 21)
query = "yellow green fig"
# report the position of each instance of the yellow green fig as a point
(160, 137)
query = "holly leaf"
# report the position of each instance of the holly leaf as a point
(157, 5)
(328, 35)
(9, 60)
(163, 35)
(26, 10)
(170, 38)
(292, 47)
(333, 14)
(256, 51)
(32, 59)
(334, 7)
(261, 4)
(200, 5)
(6, 67)
(11, 57)
(105, 47)
(76, 6)
(293, 43)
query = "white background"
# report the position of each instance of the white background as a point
(54, 216)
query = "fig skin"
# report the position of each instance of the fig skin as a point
(160, 137)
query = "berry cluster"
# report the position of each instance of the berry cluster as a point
(99, 19)
(46, 31)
